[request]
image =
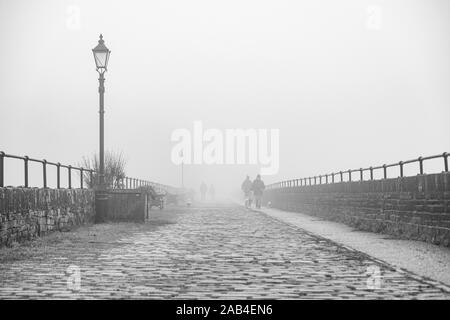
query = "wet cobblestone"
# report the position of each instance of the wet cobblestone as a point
(210, 252)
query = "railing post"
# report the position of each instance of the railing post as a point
(342, 177)
(91, 177)
(26, 170)
(349, 175)
(401, 168)
(69, 172)
(371, 173)
(420, 165)
(361, 174)
(326, 178)
(44, 173)
(315, 180)
(58, 175)
(384, 171)
(445, 155)
(332, 177)
(2, 169)
(81, 178)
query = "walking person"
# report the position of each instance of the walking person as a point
(212, 192)
(203, 189)
(258, 189)
(247, 188)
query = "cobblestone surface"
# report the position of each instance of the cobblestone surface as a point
(224, 252)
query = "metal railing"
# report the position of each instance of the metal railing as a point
(330, 178)
(125, 183)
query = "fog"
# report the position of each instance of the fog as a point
(348, 83)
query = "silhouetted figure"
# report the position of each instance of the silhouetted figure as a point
(247, 188)
(212, 192)
(203, 189)
(258, 189)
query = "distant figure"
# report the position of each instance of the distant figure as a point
(212, 192)
(258, 189)
(247, 188)
(203, 189)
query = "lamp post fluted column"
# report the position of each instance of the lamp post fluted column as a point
(101, 91)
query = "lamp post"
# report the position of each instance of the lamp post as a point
(101, 57)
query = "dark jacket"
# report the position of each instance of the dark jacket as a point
(246, 185)
(258, 187)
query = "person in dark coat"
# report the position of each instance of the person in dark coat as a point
(258, 190)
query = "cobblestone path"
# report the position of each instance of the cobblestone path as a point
(206, 252)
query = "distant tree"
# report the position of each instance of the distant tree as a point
(114, 170)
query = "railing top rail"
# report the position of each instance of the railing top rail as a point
(133, 182)
(371, 169)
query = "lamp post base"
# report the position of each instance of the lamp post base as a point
(101, 206)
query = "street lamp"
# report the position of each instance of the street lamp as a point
(101, 57)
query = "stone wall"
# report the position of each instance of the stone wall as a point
(411, 207)
(26, 213)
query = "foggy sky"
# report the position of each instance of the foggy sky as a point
(342, 95)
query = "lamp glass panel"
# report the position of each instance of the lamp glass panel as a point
(100, 59)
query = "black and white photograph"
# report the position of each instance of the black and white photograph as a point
(217, 157)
